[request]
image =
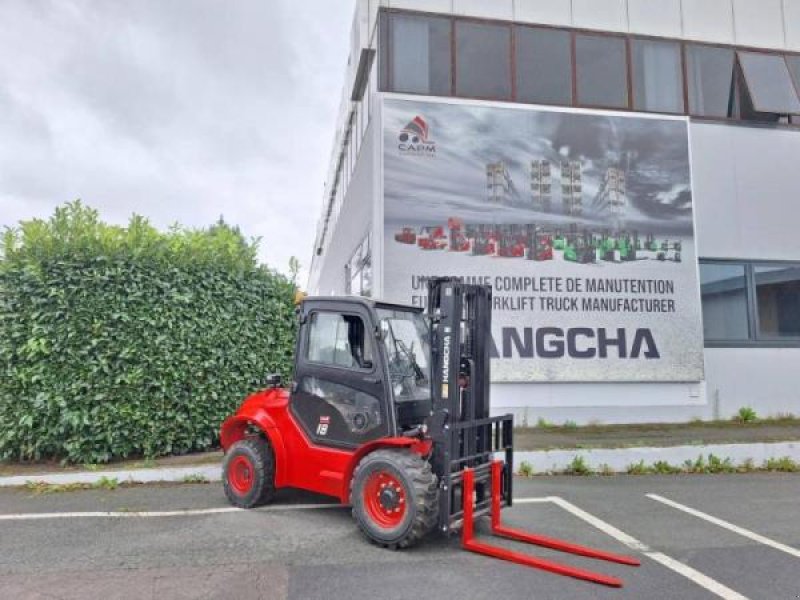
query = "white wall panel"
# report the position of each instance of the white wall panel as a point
(608, 15)
(718, 229)
(655, 17)
(445, 6)
(766, 162)
(762, 378)
(353, 223)
(708, 20)
(493, 9)
(791, 17)
(744, 185)
(759, 23)
(547, 12)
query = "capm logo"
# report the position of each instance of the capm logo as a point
(414, 139)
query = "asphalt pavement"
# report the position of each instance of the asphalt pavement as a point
(711, 536)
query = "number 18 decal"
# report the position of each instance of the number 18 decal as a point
(322, 427)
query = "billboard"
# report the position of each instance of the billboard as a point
(582, 223)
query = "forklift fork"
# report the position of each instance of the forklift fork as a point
(469, 542)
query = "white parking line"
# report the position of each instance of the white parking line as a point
(691, 574)
(726, 525)
(168, 513)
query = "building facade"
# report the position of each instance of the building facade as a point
(622, 172)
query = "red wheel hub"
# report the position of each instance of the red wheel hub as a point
(385, 499)
(241, 474)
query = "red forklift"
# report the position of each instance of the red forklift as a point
(459, 242)
(388, 411)
(432, 238)
(539, 245)
(406, 236)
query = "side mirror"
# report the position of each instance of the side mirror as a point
(273, 380)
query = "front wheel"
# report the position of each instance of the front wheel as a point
(395, 498)
(248, 473)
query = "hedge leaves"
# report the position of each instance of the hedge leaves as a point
(126, 341)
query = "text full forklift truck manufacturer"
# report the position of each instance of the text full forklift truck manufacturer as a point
(389, 412)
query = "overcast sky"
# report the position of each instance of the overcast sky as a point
(179, 110)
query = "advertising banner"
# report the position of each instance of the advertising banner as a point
(580, 222)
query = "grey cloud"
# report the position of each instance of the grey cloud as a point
(178, 110)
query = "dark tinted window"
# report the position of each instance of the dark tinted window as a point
(769, 83)
(544, 65)
(419, 55)
(602, 72)
(710, 80)
(778, 300)
(723, 289)
(657, 76)
(483, 60)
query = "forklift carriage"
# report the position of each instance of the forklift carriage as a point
(389, 412)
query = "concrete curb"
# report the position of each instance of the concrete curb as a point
(542, 461)
(165, 474)
(618, 459)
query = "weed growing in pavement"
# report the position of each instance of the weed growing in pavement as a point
(578, 466)
(196, 478)
(543, 423)
(719, 465)
(746, 415)
(570, 425)
(784, 464)
(525, 469)
(637, 468)
(606, 470)
(747, 466)
(662, 467)
(40, 487)
(701, 465)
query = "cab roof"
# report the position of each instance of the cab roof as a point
(370, 303)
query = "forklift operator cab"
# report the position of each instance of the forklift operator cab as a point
(362, 371)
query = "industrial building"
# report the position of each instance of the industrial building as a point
(622, 172)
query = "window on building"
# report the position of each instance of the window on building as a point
(768, 83)
(657, 76)
(483, 60)
(358, 270)
(723, 288)
(778, 300)
(544, 65)
(418, 54)
(793, 62)
(710, 80)
(601, 66)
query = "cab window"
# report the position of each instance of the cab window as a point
(338, 339)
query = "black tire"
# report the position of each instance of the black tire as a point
(254, 456)
(419, 489)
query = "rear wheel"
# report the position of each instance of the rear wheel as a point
(394, 495)
(249, 473)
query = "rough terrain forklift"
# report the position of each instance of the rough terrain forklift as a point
(388, 411)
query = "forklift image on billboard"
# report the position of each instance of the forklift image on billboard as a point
(599, 202)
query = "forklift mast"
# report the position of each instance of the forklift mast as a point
(463, 432)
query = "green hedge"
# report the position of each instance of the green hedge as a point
(125, 341)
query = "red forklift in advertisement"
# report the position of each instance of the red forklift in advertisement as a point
(459, 242)
(406, 236)
(432, 238)
(388, 411)
(539, 246)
